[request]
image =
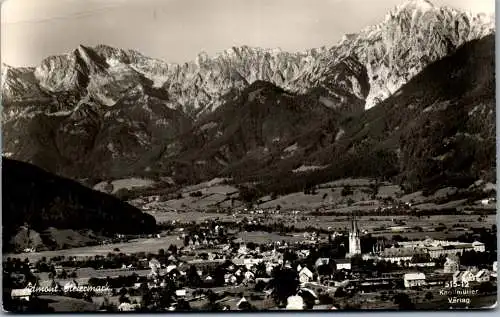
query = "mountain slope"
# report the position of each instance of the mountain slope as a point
(247, 133)
(438, 129)
(40, 200)
(412, 36)
(92, 141)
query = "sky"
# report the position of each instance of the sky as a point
(177, 30)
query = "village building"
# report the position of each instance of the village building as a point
(230, 279)
(463, 277)
(438, 248)
(170, 268)
(163, 283)
(246, 260)
(436, 279)
(172, 259)
(209, 279)
(305, 275)
(451, 265)
(126, 307)
(155, 266)
(249, 276)
(181, 293)
(321, 261)
(422, 264)
(478, 246)
(21, 294)
(397, 255)
(483, 276)
(243, 247)
(295, 303)
(302, 254)
(342, 264)
(414, 280)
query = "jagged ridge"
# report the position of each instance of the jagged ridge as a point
(126, 111)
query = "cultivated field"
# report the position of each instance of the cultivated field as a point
(127, 183)
(189, 216)
(339, 223)
(266, 237)
(134, 246)
(66, 304)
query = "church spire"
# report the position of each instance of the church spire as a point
(354, 240)
(354, 223)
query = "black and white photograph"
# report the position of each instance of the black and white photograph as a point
(248, 155)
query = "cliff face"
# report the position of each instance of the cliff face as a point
(412, 36)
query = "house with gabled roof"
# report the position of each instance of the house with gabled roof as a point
(463, 277)
(305, 275)
(483, 276)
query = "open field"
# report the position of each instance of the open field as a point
(189, 216)
(323, 197)
(303, 220)
(66, 304)
(85, 273)
(127, 183)
(134, 246)
(371, 222)
(266, 237)
(421, 235)
(329, 196)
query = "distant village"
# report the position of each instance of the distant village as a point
(212, 269)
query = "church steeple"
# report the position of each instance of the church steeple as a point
(354, 224)
(354, 241)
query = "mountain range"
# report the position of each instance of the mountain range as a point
(410, 99)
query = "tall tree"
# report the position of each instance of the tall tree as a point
(285, 283)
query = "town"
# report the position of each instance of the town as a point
(217, 265)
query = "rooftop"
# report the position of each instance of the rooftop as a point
(414, 276)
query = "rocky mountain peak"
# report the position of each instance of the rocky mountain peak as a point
(416, 5)
(411, 36)
(127, 111)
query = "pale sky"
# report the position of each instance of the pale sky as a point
(177, 30)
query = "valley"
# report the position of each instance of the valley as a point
(360, 175)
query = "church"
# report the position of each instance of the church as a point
(354, 240)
